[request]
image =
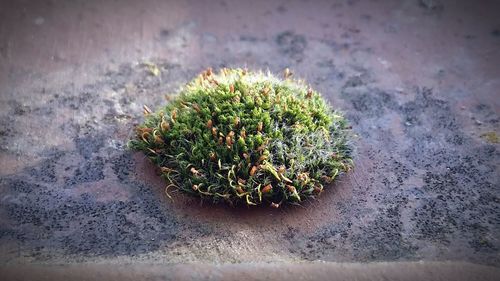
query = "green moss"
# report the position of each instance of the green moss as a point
(240, 136)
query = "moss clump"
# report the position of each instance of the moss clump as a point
(240, 136)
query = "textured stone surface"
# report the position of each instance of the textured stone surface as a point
(418, 79)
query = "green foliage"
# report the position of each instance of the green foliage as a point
(240, 136)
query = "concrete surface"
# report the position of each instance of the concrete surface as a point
(313, 271)
(418, 79)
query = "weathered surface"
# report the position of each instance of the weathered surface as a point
(418, 79)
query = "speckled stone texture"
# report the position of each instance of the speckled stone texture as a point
(419, 81)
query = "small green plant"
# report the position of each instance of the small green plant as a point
(240, 136)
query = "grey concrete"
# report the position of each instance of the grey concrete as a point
(313, 271)
(419, 81)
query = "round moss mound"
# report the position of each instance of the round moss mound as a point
(240, 136)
